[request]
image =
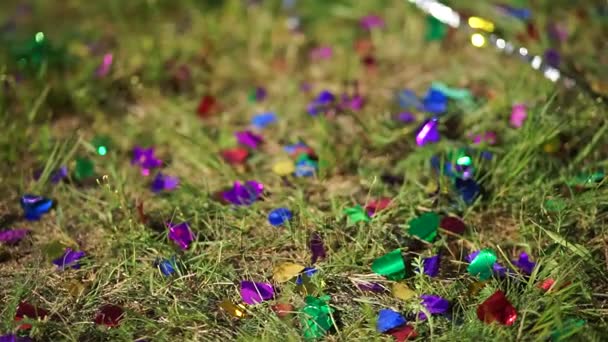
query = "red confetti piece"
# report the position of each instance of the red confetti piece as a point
(547, 284)
(283, 309)
(109, 315)
(403, 333)
(453, 224)
(377, 205)
(497, 308)
(207, 106)
(28, 310)
(235, 156)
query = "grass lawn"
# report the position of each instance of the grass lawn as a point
(538, 188)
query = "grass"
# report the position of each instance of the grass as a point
(51, 116)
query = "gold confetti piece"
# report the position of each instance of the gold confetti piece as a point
(552, 146)
(476, 287)
(284, 168)
(75, 288)
(402, 291)
(234, 310)
(286, 271)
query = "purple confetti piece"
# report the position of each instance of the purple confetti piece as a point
(371, 21)
(557, 32)
(13, 236)
(435, 305)
(244, 194)
(317, 248)
(69, 258)
(14, 338)
(106, 64)
(428, 132)
(371, 287)
(180, 234)
(321, 52)
(518, 115)
(524, 263)
(249, 139)
(164, 182)
(145, 159)
(354, 103)
(406, 117)
(552, 57)
(260, 94)
(253, 293)
(431, 265)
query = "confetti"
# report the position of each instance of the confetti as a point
(235, 156)
(524, 263)
(484, 138)
(244, 194)
(14, 338)
(12, 236)
(321, 103)
(101, 145)
(166, 266)
(370, 287)
(374, 206)
(109, 315)
(481, 263)
(407, 98)
(452, 93)
(85, 168)
(206, 107)
(249, 139)
(317, 248)
(424, 226)
(497, 308)
(262, 120)
(406, 117)
(435, 305)
(284, 168)
(552, 57)
(104, 68)
(321, 53)
(403, 333)
(234, 310)
(70, 258)
(279, 216)
(180, 234)
(258, 94)
(253, 293)
(75, 288)
(453, 224)
(435, 102)
(316, 317)
(428, 133)
(286, 271)
(306, 274)
(27, 310)
(370, 22)
(518, 115)
(402, 291)
(164, 182)
(56, 176)
(283, 309)
(435, 29)
(468, 189)
(390, 265)
(431, 265)
(568, 329)
(356, 214)
(389, 319)
(145, 159)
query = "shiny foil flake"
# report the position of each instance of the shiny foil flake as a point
(146, 159)
(435, 305)
(27, 310)
(164, 182)
(424, 226)
(279, 216)
(388, 320)
(13, 236)
(286, 271)
(85, 168)
(166, 266)
(322, 103)
(35, 206)
(109, 315)
(482, 263)
(283, 310)
(524, 264)
(356, 214)
(497, 308)
(207, 107)
(403, 333)
(518, 115)
(55, 176)
(402, 291)
(106, 64)
(435, 102)
(371, 287)
(390, 265)
(181, 234)
(376, 205)
(244, 194)
(321, 53)
(234, 310)
(431, 265)
(235, 156)
(315, 317)
(370, 22)
(14, 338)
(253, 293)
(428, 133)
(249, 139)
(70, 258)
(453, 224)
(263, 120)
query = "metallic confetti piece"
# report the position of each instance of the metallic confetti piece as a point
(403, 333)
(402, 291)
(109, 315)
(305, 275)
(568, 329)
(249, 139)
(258, 94)
(279, 216)
(101, 144)
(389, 319)
(453, 224)
(12, 236)
(524, 264)
(166, 266)
(284, 168)
(497, 308)
(484, 138)
(235, 156)
(356, 214)
(435, 102)
(518, 115)
(468, 189)
(14, 338)
(321, 53)
(286, 271)
(70, 258)
(435, 29)
(390, 265)
(435, 305)
(207, 107)
(56, 176)
(376, 205)
(283, 309)
(27, 310)
(428, 133)
(481, 263)
(424, 226)
(106, 64)
(234, 310)
(323, 102)
(244, 194)
(85, 168)
(317, 248)
(264, 119)
(475, 287)
(370, 22)
(145, 158)
(406, 117)
(253, 293)
(164, 182)
(431, 265)
(370, 287)
(316, 317)
(180, 234)
(75, 288)
(458, 94)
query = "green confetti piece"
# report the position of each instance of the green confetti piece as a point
(557, 204)
(390, 265)
(587, 179)
(570, 327)
(458, 94)
(316, 317)
(425, 226)
(482, 265)
(356, 214)
(435, 29)
(101, 144)
(84, 168)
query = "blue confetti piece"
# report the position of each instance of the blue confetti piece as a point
(264, 119)
(279, 216)
(166, 266)
(35, 206)
(435, 102)
(468, 189)
(388, 320)
(306, 272)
